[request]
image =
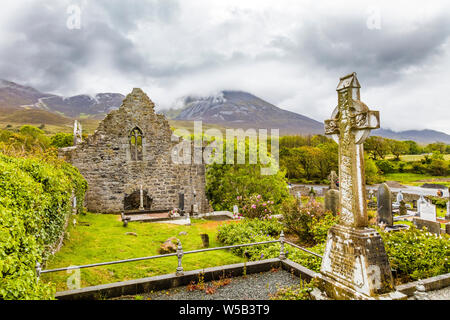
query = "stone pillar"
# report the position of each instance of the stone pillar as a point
(355, 264)
(141, 199)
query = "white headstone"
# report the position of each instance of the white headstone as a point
(428, 211)
(235, 209)
(420, 202)
(399, 196)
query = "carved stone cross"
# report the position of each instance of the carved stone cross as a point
(355, 264)
(350, 125)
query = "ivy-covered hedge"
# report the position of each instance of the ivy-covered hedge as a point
(35, 202)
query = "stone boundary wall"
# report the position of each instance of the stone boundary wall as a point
(430, 284)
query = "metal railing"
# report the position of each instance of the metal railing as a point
(179, 254)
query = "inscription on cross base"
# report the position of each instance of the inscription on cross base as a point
(350, 125)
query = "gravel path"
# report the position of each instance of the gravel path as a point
(253, 287)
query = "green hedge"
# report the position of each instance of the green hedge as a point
(34, 206)
(417, 254)
(255, 230)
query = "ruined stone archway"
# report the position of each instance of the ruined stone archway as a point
(132, 201)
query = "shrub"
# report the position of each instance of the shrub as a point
(309, 222)
(35, 204)
(61, 140)
(255, 206)
(418, 167)
(385, 166)
(255, 230)
(417, 254)
(438, 167)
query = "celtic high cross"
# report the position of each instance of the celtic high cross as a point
(350, 124)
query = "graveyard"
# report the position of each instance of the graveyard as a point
(297, 241)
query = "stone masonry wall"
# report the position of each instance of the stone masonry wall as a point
(104, 159)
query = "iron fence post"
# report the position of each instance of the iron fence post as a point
(179, 256)
(282, 254)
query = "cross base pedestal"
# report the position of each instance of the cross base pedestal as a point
(355, 265)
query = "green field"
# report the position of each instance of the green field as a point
(413, 157)
(415, 179)
(105, 239)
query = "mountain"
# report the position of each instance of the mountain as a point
(234, 109)
(239, 109)
(14, 96)
(422, 136)
(96, 106)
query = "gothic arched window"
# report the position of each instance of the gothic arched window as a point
(136, 144)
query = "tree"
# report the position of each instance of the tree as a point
(414, 148)
(437, 146)
(398, 148)
(376, 147)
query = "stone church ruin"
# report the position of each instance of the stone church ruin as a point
(128, 163)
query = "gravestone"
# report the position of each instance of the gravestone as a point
(235, 210)
(312, 195)
(402, 208)
(384, 205)
(432, 226)
(181, 202)
(372, 204)
(428, 211)
(354, 264)
(399, 198)
(331, 201)
(205, 240)
(420, 202)
(332, 177)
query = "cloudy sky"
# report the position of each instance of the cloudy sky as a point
(290, 53)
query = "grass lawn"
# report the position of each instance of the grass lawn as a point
(413, 179)
(105, 240)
